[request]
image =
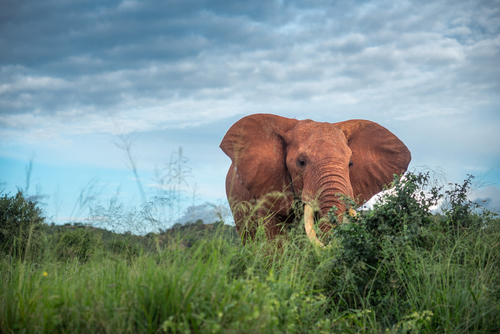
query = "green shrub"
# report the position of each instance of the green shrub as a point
(21, 224)
(460, 212)
(124, 246)
(369, 242)
(80, 243)
(378, 250)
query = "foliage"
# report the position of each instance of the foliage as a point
(372, 246)
(80, 244)
(195, 289)
(460, 212)
(368, 240)
(118, 218)
(21, 224)
(388, 270)
(125, 247)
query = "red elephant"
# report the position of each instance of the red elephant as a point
(278, 161)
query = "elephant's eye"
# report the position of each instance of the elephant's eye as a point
(301, 162)
(350, 163)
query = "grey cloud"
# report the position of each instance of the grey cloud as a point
(488, 197)
(36, 33)
(117, 57)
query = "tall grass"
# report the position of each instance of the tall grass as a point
(442, 277)
(212, 287)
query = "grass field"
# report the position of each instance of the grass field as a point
(395, 269)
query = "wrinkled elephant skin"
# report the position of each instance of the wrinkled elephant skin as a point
(278, 161)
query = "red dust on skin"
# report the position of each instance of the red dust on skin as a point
(277, 160)
(318, 164)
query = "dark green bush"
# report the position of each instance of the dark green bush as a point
(460, 212)
(369, 241)
(124, 246)
(79, 243)
(21, 225)
(373, 245)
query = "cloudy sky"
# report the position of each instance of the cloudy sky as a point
(76, 76)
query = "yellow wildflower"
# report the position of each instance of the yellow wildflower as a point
(352, 213)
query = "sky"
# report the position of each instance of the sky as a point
(78, 79)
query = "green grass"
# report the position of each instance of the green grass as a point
(215, 286)
(219, 286)
(434, 274)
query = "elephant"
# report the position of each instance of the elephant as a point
(279, 164)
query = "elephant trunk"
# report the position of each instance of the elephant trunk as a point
(328, 200)
(327, 187)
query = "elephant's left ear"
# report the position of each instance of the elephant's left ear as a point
(377, 154)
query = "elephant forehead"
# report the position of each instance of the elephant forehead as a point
(316, 133)
(320, 129)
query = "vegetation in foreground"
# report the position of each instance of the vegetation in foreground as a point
(396, 268)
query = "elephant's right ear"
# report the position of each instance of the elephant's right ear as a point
(256, 147)
(377, 154)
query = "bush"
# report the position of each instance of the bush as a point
(370, 241)
(176, 225)
(377, 249)
(21, 225)
(124, 246)
(81, 243)
(460, 212)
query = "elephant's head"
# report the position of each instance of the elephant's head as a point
(311, 160)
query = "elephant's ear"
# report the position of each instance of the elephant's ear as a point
(256, 147)
(377, 154)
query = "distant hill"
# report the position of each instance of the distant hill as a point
(183, 236)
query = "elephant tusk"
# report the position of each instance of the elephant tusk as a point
(309, 225)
